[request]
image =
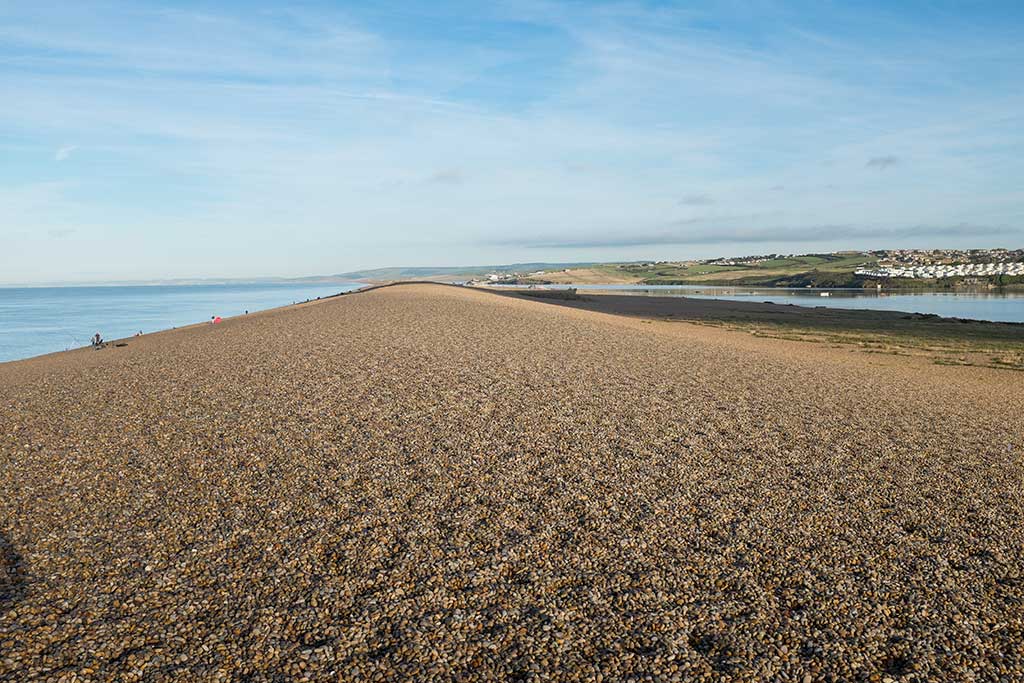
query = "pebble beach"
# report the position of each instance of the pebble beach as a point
(435, 483)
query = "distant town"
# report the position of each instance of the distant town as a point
(946, 263)
(885, 268)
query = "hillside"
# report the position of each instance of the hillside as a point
(450, 272)
(815, 270)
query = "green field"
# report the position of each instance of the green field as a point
(817, 270)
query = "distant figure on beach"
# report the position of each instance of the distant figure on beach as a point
(139, 333)
(97, 341)
(216, 319)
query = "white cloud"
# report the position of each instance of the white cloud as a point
(64, 152)
(231, 130)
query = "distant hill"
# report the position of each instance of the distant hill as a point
(369, 275)
(808, 270)
(451, 271)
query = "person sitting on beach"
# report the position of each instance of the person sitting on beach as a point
(97, 341)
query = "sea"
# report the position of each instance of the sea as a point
(38, 320)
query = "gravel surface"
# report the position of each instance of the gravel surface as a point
(434, 483)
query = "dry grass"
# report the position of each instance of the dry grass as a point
(942, 349)
(591, 276)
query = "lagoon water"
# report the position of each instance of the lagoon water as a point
(995, 305)
(37, 320)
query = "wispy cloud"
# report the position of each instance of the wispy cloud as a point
(696, 200)
(64, 152)
(882, 163)
(346, 140)
(448, 176)
(673, 235)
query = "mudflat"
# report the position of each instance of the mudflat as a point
(719, 310)
(437, 483)
(946, 341)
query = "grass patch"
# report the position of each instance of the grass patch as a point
(946, 343)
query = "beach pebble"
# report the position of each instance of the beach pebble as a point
(434, 483)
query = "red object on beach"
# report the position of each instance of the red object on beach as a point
(216, 319)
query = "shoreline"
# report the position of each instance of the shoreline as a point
(698, 310)
(681, 304)
(128, 339)
(802, 297)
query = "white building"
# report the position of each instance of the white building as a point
(941, 271)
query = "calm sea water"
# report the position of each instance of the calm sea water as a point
(37, 320)
(1002, 306)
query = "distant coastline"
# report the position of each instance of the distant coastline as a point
(887, 269)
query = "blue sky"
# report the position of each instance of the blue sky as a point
(147, 140)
